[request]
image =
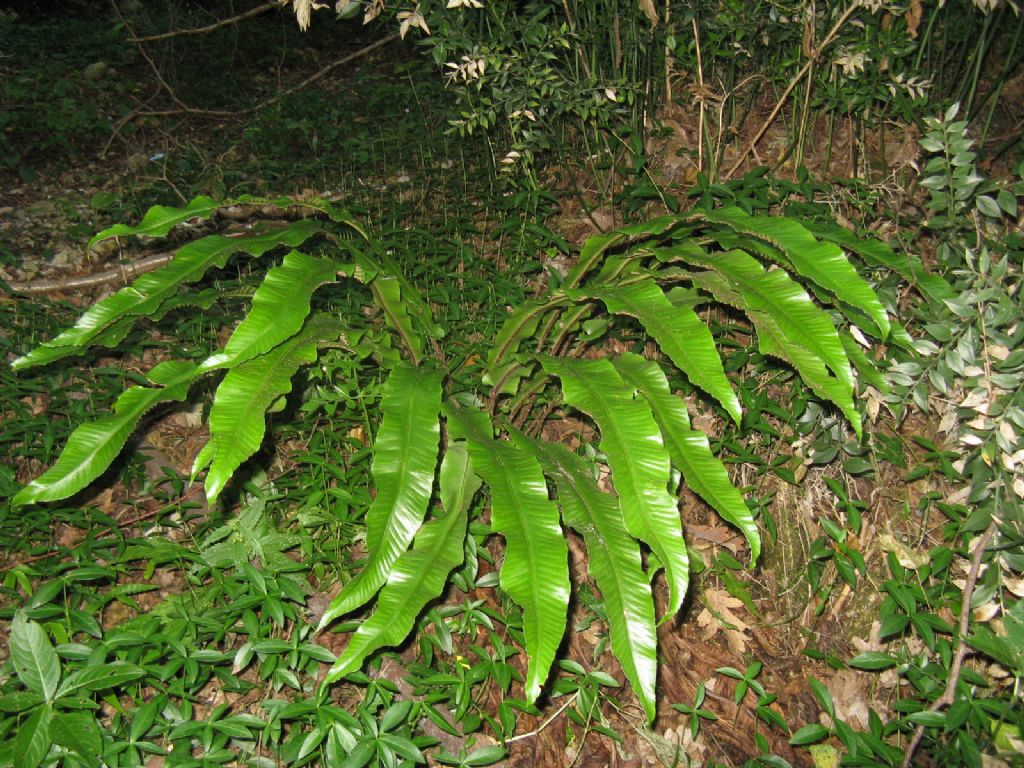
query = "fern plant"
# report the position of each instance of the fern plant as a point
(548, 355)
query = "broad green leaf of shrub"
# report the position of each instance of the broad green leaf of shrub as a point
(613, 559)
(146, 295)
(420, 574)
(32, 741)
(35, 661)
(688, 448)
(535, 572)
(93, 446)
(639, 461)
(238, 416)
(279, 308)
(680, 334)
(404, 461)
(78, 732)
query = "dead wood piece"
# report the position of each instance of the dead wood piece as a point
(209, 27)
(123, 273)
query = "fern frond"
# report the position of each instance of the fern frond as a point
(535, 572)
(404, 462)
(146, 295)
(613, 559)
(279, 308)
(93, 446)
(420, 574)
(689, 448)
(238, 416)
(636, 453)
(680, 333)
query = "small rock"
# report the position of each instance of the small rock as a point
(95, 71)
(137, 163)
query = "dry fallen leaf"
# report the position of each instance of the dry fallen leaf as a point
(718, 614)
(906, 556)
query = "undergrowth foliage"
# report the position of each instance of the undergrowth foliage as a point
(441, 438)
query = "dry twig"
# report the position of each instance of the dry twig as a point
(949, 694)
(123, 273)
(209, 27)
(792, 84)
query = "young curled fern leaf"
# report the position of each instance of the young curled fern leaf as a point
(93, 446)
(238, 416)
(613, 559)
(639, 461)
(420, 574)
(689, 448)
(535, 572)
(404, 462)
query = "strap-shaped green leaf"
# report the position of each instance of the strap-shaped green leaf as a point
(774, 293)
(159, 219)
(680, 333)
(238, 415)
(864, 365)
(689, 449)
(595, 247)
(772, 340)
(613, 559)
(457, 482)
(521, 324)
(908, 267)
(404, 461)
(638, 459)
(388, 292)
(823, 262)
(279, 308)
(590, 255)
(383, 263)
(147, 294)
(535, 573)
(420, 574)
(337, 215)
(93, 446)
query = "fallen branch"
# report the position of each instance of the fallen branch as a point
(123, 273)
(209, 27)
